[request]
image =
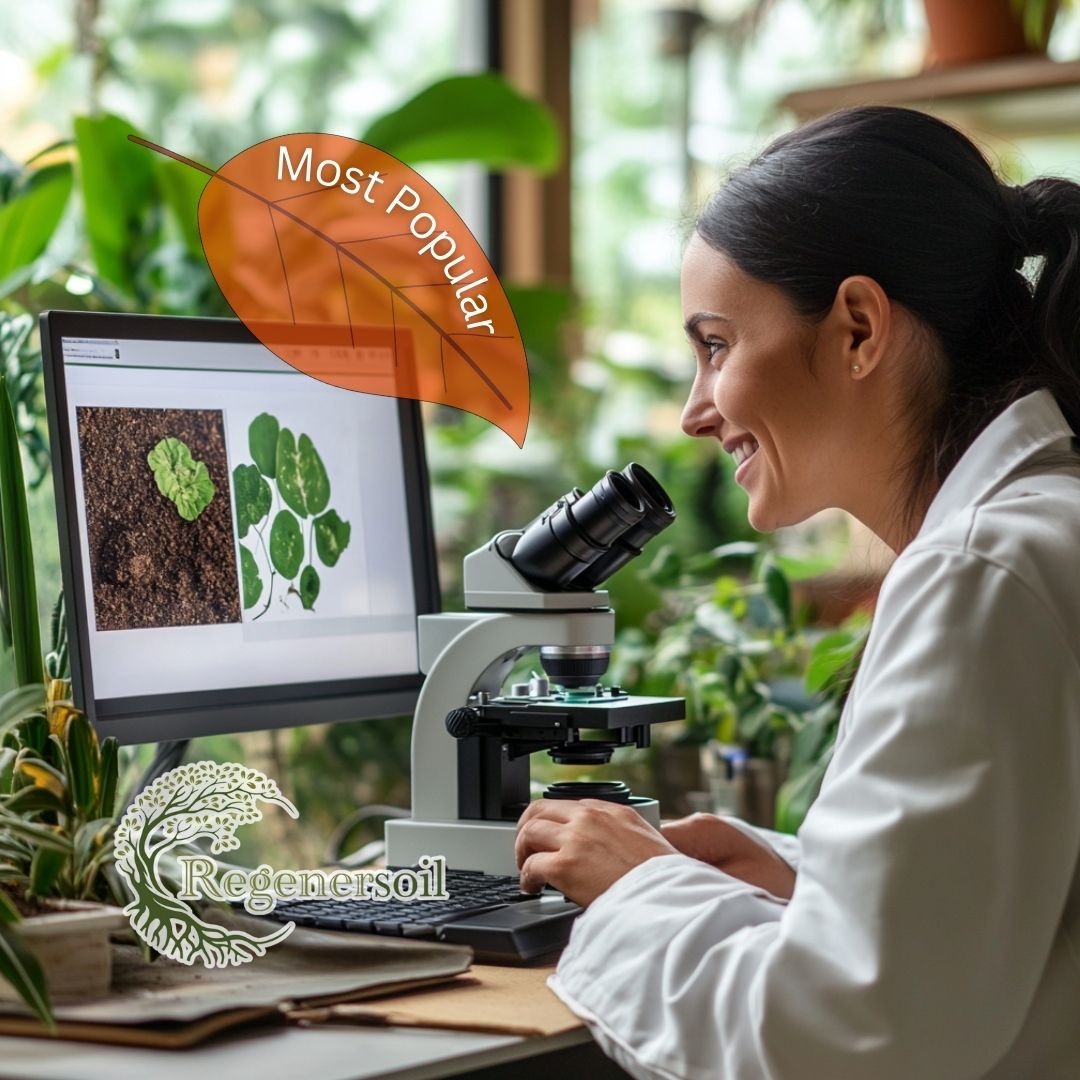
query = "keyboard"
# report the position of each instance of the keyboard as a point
(488, 912)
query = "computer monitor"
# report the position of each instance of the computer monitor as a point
(242, 546)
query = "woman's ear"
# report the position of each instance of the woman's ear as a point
(862, 319)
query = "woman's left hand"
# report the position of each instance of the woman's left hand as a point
(582, 846)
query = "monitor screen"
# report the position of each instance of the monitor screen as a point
(243, 546)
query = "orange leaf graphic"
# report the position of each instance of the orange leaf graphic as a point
(352, 268)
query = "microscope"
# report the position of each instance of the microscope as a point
(526, 589)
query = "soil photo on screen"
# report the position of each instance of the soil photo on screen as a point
(159, 517)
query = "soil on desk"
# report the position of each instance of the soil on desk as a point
(149, 566)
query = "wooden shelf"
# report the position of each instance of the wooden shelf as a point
(1028, 95)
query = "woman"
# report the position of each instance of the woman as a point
(865, 339)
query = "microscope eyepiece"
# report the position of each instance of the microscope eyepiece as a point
(583, 538)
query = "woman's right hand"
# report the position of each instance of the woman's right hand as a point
(728, 848)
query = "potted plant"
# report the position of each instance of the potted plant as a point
(57, 789)
(737, 649)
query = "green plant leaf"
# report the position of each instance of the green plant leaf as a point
(84, 761)
(252, 495)
(797, 794)
(37, 835)
(181, 188)
(181, 478)
(301, 475)
(110, 768)
(9, 913)
(118, 187)
(20, 968)
(777, 588)
(7, 766)
(331, 537)
(33, 800)
(249, 575)
(470, 118)
(18, 704)
(309, 587)
(286, 544)
(33, 732)
(21, 599)
(828, 657)
(28, 221)
(263, 442)
(45, 868)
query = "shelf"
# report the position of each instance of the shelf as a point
(1028, 95)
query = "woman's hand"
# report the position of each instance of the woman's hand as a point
(714, 841)
(582, 846)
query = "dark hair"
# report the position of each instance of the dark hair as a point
(910, 201)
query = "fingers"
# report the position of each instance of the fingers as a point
(540, 834)
(536, 871)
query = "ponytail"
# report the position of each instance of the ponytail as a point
(1050, 224)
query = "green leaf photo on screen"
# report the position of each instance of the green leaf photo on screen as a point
(283, 518)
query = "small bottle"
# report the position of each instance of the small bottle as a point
(726, 780)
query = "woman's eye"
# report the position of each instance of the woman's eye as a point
(713, 347)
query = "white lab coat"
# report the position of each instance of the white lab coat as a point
(934, 929)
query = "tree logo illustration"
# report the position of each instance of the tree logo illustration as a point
(202, 799)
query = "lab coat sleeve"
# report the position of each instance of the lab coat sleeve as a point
(934, 871)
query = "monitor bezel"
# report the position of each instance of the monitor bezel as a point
(158, 717)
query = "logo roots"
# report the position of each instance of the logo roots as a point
(203, 799)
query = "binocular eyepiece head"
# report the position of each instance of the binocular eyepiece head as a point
(584, 537)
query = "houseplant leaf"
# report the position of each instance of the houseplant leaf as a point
(250, 579)
(21, 599)
(262, 442)
(253, 497)
(84, 762)
(380, 315)
(19, 967)
(45, 869)
(28, 221)
(309, 587)
(118, 188)
(331, 537)
(286, 544)
(478, 118)
(106, 805)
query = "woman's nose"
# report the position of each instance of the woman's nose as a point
(699, 416)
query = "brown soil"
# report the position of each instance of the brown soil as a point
(23, 906)
(148, 565)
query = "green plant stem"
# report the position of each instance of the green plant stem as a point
(270, 567)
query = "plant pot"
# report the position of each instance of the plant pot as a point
(71, 942)
(970, 31)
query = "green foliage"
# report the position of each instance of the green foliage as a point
(290, 470)
(57, 813)
(29, 215)
(301, 475)
(331, 537)
(181, 478)
(18, 589)
(249, 575)
(20, 360)
(470, 118)
(252, 495)
(309, 587)
(286, 544)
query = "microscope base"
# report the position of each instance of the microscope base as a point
(487, 846)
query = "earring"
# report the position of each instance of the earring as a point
(856, 368)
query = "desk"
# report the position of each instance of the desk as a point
(320, 1053)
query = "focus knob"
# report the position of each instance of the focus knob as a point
(462, 722)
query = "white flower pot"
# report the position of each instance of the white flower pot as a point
(71, 942)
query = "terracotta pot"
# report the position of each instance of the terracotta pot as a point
(71, 942)
(969, 31)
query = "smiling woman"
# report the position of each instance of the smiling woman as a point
(865, 338)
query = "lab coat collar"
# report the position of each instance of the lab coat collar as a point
(1028, 425)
